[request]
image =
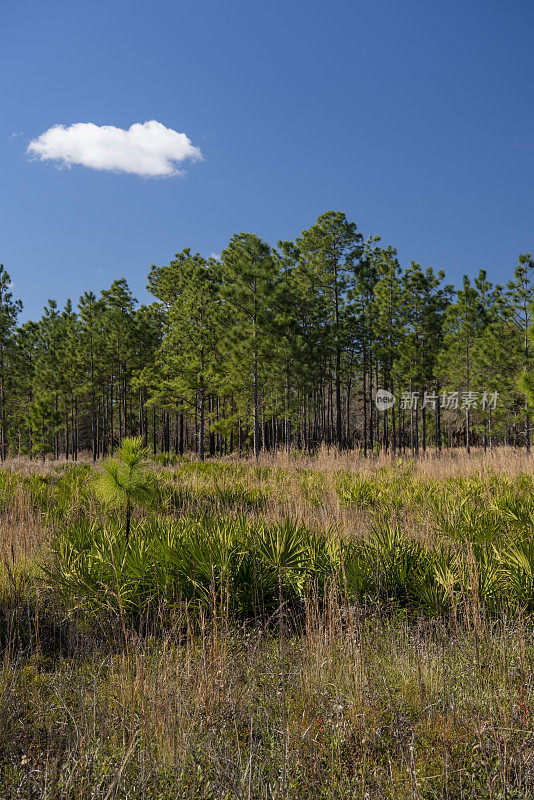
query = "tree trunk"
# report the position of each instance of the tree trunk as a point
(438, 420)
(201, 413)
(393, 423)
(348, 438)
(256, 410)
(365, 402)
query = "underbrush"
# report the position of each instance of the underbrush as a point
(269, 632)
(352, 705)
(250, 569)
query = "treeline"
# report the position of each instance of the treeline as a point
(269, 348)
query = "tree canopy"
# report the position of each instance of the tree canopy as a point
(272, 347)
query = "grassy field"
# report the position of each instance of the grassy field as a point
(321, 627)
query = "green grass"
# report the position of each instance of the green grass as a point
(280, 631)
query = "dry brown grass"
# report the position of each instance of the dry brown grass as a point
(354, 706)
(301, 486)
(448, 463)
(350, 702)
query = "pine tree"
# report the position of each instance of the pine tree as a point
(125, 481)
(389, 326)
(249, 274)
(91, 312)
(497, 359)
(465, 322)
(363, 301)
(44, 423)
(189, 354)
(149, 324)
(119, 332)
(9, 311)
(425, 302)
(48, 371)
(519, 311)
(71, 378)
(25, 361)
(331, 248)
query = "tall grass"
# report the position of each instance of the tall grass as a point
(354, 706)
(423, 544)
(303, 628)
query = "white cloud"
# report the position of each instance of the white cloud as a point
(146, 148)
(216, 256)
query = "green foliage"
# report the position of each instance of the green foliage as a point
(43, 422)
(413, 642)
(517, 565)
(270, 349)
(211, 561)
(189, 355)
(125, 481)
(249, 568)
(210, 546)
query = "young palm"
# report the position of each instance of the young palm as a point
(125, 480)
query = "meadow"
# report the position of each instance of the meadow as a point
(326, 627)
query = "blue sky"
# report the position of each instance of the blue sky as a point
(415, 118)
